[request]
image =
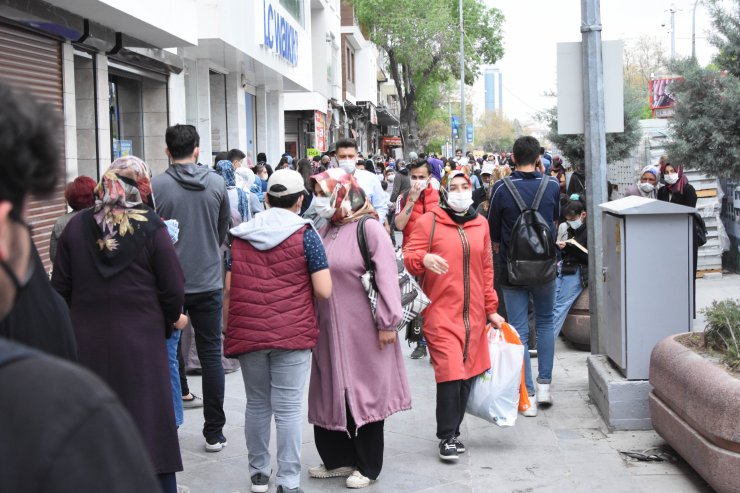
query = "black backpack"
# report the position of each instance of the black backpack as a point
(700, 230)
(531, 248)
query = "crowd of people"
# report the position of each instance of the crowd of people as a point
(266, 267)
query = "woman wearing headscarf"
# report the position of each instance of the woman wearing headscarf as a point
(240, 210)
(247, 181)
(357, 374)
(678, 190)
(450, 248)
(558, 171)
(117, 269)
(647, 186)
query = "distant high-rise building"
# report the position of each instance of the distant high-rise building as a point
(493, 87)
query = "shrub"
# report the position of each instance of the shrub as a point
(723, 330)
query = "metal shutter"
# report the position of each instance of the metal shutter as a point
(33, 63)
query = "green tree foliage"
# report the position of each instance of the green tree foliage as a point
(706, 120)
(421, 39)
(494, 132)
(618, 145)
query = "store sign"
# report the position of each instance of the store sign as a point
(455, 127)
(279, 33)
(312, 152)
(320, 130)
(470, 133)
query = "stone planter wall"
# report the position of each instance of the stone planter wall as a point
(695, 407)
(577, 326)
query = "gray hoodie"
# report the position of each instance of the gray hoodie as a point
(270, 228)
(197, 199)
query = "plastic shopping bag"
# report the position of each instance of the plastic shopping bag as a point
(495, 394)
(512, 337)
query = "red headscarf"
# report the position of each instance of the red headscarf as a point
(346, 196)
(682, 180)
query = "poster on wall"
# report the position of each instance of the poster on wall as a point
(662, 99)
(320, 130)
(122, 148)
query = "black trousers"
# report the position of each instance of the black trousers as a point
(452, 398)
(362, 448)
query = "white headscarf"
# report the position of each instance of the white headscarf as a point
(244, 178)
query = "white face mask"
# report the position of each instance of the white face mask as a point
(323, 207)
(646, 187)
(671, 179)
(567, 165)
(348, 165)
(575, 224)
(486, 185)
(390, 178)
(460, 201)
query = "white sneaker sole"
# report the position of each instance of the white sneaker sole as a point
(260, 488)
(216, 447)
(449, 457)
(339, 472)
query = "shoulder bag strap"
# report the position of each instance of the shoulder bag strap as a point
(429, 248)
(515, 193)
(363, 243)
(540, 192)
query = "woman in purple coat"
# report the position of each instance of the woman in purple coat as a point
(119, 273)
(357, 374)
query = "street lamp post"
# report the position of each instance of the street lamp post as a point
(693, 31)
(463, 126)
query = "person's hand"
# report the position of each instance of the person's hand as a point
(560, 244)
(435, 263)
(386, 338)
(182, 322)
(417, 187)
(496, 320)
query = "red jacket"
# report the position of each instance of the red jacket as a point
(455, 322)
(271, 304)
(428, 201)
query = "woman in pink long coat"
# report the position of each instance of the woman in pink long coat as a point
(357, 374)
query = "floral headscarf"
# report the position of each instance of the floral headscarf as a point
(346, 196)
(123, 219)
(226, 169)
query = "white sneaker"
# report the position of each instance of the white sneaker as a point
(321, 472)
(357, 480)
(532, 411)
(543, 394)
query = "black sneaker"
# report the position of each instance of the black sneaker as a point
(419, 352)
(459, 445)
(216, 444)
(447, 449)
(260, 483)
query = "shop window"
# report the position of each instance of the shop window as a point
(294, 8)
(126, 117)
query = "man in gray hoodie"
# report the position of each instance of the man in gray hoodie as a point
(198, 200)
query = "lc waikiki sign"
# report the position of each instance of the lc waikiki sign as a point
(279, 35)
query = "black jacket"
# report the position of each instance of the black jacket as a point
(479, 195)
(687, 198)
(573, 256)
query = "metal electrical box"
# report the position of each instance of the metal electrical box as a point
(648, 277)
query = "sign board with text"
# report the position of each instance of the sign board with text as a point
(278, 32)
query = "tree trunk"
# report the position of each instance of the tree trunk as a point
(410, 129)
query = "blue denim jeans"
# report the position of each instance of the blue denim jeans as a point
(567, 291)
(175, 375)
(274, 381)
(204, 310)
(517, 303)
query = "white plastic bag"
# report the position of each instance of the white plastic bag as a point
(494, 395)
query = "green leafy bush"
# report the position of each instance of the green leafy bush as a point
(722, 332)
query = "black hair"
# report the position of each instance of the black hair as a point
(458, 149)
(346, 143)
(574, 208)
(181, 140)
(316, 159)
(284, 202)
(421, 163)
(422, 155)
(220, 156)
(369, 166)
(261, 157)
(235, 155)
(304, 168)
(542, 150)
(29, 154)
(526, 150)
(283, 163)
(269, 170)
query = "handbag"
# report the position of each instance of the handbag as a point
(496, 394)
(414, 328)
(413, 299)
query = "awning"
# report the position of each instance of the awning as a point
(386, 118)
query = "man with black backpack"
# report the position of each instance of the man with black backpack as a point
(523, 219)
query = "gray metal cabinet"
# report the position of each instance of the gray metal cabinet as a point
(648, 278)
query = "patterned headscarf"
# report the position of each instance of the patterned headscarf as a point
(346, 196)
(123, 217)
(226, 170)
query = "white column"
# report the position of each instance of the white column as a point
(178, 106)
(204, 111)
(70, 112)
(236, 112)
(101, 104)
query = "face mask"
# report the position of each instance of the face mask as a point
(390, 178)
(567, 165)
(348, 165)
(323, 207)
(460, 201)
(487, 185)
(646, 187)
(671, 179)
(575, 224)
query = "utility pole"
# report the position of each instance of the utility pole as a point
(693, 31)
(463, 131)
(673, 36)
(595, 160)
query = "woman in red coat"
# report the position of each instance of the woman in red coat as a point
(451, 248)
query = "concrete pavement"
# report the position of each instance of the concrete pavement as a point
(565, 448)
